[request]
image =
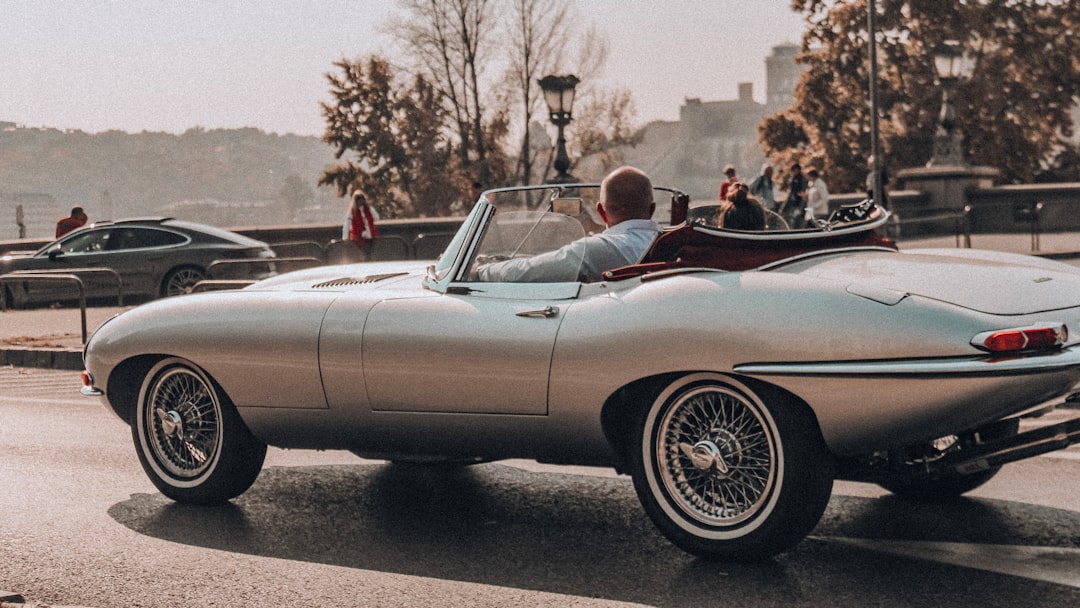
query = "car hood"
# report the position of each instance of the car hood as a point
(990, 282)
(342, 277)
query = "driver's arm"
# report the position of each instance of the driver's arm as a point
(557, 266)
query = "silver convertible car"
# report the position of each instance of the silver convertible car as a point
(733, 375)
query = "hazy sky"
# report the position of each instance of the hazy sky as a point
(164, 65)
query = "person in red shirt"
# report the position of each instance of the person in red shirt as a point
(65, 225)
(729, 179)
(360, 224)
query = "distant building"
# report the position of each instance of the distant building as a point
(781, 77)
(691, 152)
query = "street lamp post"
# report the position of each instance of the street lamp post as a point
(559, 96)
(952, 65)
(947, 177)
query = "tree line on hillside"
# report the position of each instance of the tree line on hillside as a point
(124, 174)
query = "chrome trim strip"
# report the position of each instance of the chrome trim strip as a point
(822, 252)
(974, 365)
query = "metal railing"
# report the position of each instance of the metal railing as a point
(53, 277)
(65, 276)
(426, 245)
(960, 220)
(299, 248)
(31, 275)
(1030, 213)
(220, 284)
(300, 262)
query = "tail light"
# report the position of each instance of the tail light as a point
(1035, 337)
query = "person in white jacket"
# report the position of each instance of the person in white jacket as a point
(817, 196)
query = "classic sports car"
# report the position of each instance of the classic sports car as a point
(733, 375)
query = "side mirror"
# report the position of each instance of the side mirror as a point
(56, 252)
(567, 206)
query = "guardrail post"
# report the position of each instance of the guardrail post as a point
(965, 226)
(1030, 214)
(13, 277)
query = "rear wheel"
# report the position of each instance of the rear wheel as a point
(181, 280)
(190, 439)
(728, 473)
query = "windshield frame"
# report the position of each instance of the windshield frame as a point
(452, 266)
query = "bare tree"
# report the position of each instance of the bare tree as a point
(538, 35)
(446, 40)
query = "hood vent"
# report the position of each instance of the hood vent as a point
(350, 281)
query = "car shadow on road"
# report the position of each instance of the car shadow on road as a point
(499, 525)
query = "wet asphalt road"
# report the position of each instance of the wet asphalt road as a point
(81, 525)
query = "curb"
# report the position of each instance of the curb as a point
(52, 358)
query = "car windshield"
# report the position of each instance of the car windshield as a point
(523, 222)
(521, 235)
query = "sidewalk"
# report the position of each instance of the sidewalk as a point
(50, 337)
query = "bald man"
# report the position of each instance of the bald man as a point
(626, 207)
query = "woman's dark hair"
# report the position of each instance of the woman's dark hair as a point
(744, 211)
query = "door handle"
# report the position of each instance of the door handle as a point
(546, 313)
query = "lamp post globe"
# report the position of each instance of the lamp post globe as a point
(952, 65)
(559, 97)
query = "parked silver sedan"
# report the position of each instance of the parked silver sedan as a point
(153, 257)
(734, 375)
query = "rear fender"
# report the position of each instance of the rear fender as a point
(622, 411)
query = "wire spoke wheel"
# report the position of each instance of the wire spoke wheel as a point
(717, 456)
(727, 471)
(184, 417)
(190, 439)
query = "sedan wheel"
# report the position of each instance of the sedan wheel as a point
(181, 280)
(725, 474)
(190, 439)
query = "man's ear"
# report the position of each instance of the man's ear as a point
(601, 211)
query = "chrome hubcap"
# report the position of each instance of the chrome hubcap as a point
(172, 425)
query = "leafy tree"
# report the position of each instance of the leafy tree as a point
(1014, 109)
(402, 159)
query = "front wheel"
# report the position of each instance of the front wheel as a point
(728, 473)
(190, 439)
